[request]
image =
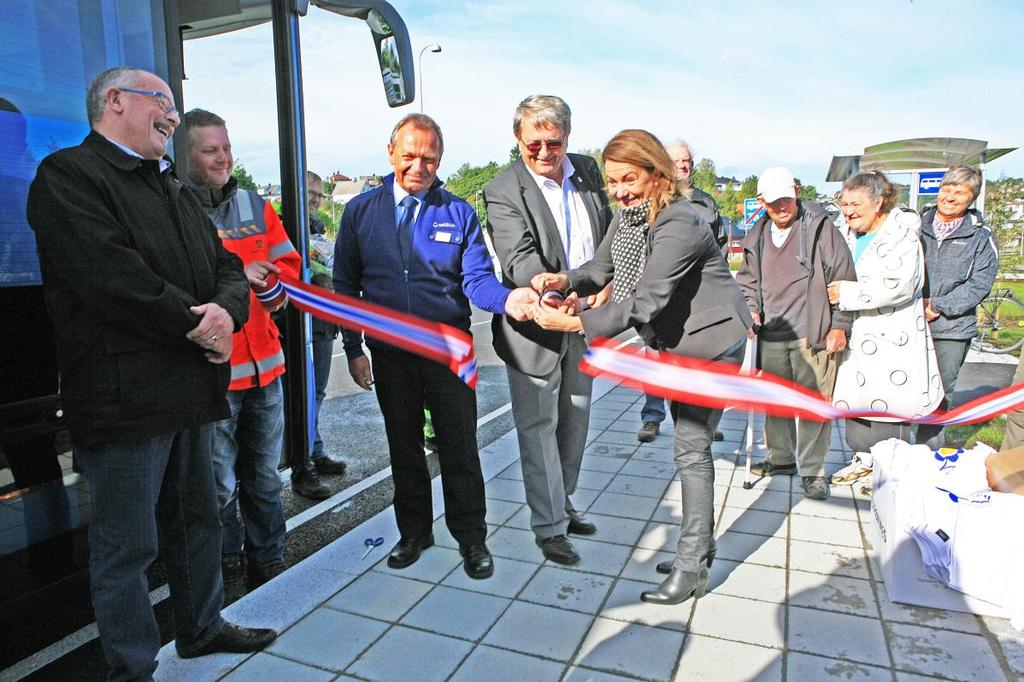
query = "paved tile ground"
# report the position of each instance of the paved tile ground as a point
(794, 593)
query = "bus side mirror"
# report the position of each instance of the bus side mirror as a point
(390, 41)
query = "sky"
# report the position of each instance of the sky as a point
(747, 84)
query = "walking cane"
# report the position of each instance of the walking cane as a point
(749, 367)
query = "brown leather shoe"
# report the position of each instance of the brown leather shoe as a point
(235, 639)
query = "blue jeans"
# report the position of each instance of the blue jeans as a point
(653, 409)
(153, 492)
(247, 450)
(323, 349)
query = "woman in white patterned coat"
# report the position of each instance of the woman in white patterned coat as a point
(891, 364)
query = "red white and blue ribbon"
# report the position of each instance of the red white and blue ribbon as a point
(720, 385)
(439, 342)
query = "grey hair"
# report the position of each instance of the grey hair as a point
(422, 122)
(876, 185)
(310, 175)
(200, 118)
(96, 95)
(964, 175)
(543, 111)
(680, 142)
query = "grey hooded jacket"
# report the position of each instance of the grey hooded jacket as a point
(959, 273)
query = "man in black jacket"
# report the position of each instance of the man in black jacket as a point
(144, 300)
(789, 257)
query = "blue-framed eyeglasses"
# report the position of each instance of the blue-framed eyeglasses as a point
(162, 100)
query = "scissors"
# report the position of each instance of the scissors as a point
(370, 544)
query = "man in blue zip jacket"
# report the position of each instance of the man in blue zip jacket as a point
(414, 247)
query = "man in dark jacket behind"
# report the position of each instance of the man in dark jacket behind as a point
(789, 257)
(960, 263)
(144, 300)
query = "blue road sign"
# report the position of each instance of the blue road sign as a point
(751, 212)
(928, 183)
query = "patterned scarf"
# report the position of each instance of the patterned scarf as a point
(629, 250)
(944, 230)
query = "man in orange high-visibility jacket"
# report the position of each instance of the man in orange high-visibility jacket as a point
(247, 446)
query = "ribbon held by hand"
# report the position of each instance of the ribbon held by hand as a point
(433, 340)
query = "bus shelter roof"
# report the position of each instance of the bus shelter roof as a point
(915, 154)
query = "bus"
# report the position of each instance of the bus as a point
(51, 52)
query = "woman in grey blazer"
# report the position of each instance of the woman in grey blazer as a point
(670, 283)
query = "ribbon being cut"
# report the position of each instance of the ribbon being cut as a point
(698, 382)
(439, 342)
(721, 385)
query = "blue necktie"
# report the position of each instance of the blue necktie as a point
(406, 212)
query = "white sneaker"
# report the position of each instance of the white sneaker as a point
(852, 472)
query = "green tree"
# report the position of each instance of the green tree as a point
(808, 192)
(245, 180)
(704, 176)
(595, 154)
(1000, 198)
(514, 154)
(468, 182)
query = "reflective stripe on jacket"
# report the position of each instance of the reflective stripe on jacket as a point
(250, 228)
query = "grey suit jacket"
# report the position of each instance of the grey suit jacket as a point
(686, 301)
(527, 243)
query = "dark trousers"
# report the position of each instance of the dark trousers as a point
(405, 384)
(149, 493)
(861, 434)
(950, 355)
(694, 433)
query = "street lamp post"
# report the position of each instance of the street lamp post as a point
(433, 47)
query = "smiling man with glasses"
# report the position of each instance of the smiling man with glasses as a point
(144, 298)
(545, 214)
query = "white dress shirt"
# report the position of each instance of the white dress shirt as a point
(570, 214)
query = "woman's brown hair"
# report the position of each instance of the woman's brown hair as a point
(642, 149)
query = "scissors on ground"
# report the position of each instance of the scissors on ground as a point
(370, 544)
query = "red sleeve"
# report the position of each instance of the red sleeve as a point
(282, 251)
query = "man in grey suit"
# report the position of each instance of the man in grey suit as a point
(546, 213)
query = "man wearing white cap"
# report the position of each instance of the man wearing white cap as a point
(789, 256)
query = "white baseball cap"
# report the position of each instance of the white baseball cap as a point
(775, 183)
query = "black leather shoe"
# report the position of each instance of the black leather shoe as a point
(767, 468)
(667, 565)
(477, 561)
(307, 484)
(580, 525)
(678, 587)
(558, 549)
(235, 639)
(408, 550)
(329, 466)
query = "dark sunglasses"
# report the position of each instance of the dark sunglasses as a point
(552, 145)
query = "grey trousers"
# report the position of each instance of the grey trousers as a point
(806, 442)
(694, 433)
(552, 413)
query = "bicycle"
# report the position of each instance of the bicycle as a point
(1000, 323)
